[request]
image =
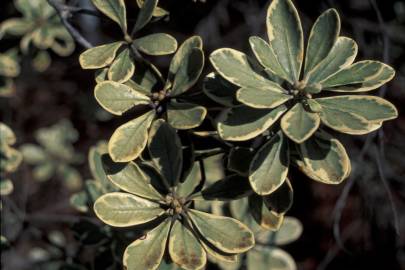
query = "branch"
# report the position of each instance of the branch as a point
(65, 12)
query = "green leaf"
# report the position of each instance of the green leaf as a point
(261, 98)
(286, 37)
(123, 210)
(324, 159)
(185, 250)
(264, 258)
(165, 150)
(230, 188)
(115, 10)
(145, 14)
(267, 219)
(360, 77)
(147, 252)
(122, 69)
(132, 179)
(267, 58)
(220, 90)
(156, 44)
(226, 234)
(80, 201)
(63, 44)
(371, 108)
(100, 56)
(342, 55)
(192, 180)
(243, 123)
(185, 115)
(235, 67)
(289, 232)
(43, 172)
(191, 66)
(117, 98)
(323, 36)
(281, 200)
(299, 124)
(269, 167)
(194, 42)
(41, 61)
(128, 140)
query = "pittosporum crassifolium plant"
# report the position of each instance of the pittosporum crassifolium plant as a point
(55, 155)
(283, 104)
(294, 100)
(162, 202)
(40, 27)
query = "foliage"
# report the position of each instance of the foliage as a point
(55, 154)
(10, 158)
(196, 179)
(9, 69)
(278, 94)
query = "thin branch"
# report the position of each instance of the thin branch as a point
(64, 12)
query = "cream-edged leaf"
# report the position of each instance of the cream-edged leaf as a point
(299, 124)
(156, 44)
(122, 69)
(128, 140)
(115, 10)
(286, 36)
(185, 115)
(123, 210)
(100, 56)
(117, 98)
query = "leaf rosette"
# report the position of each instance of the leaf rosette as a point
(39, 26)
(116, 61)
(162, 203)
(284, 90)
(155, 100)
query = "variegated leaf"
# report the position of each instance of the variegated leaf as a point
(323, 36)
(123, 210)
(268, 169)
(184, 248)
(226, 234)
(286, 36)
(299, 124)
(261, 98)
(156, 44)
(267, 219)
(243, 123)
(128, 140)
(289, 232)
(235, 67)
(185, 115)
(191, 66)
(342, 55)
(324, 158)
(118, 98)
(131, 178)
(192, 180)
(165, 150)
(145, 14)
(100, 56)
(115, 10)
(147, 252)
(267, 58)
(122, 69)
(360, 77)
(371, 108)
(281, 200)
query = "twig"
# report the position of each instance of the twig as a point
(64, 12)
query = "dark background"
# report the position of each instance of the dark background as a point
(371, 203)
